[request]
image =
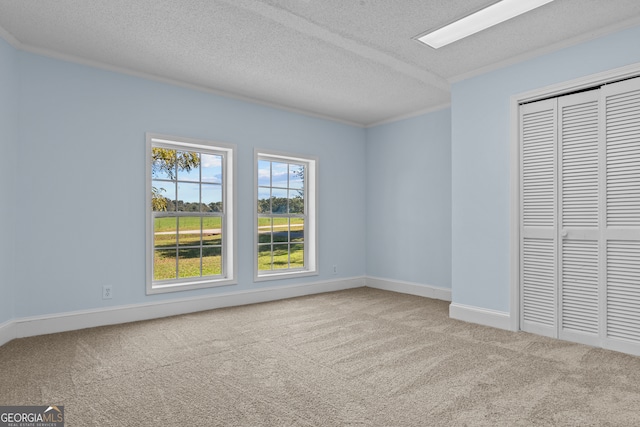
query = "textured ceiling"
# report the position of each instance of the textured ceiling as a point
(353, 61)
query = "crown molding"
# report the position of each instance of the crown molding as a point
(9, 38)
(410, 115)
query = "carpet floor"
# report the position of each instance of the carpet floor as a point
(360, 357)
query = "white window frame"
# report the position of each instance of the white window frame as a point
(311, 216)
(229, 233)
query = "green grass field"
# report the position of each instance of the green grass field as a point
(282, 259)
(164, 263)
(285, 240)
(186, 223)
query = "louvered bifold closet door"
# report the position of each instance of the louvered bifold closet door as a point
(538, 285)
(622, 232)
(579, 252)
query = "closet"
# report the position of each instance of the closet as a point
(580, 216)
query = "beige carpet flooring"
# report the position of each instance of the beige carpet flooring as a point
(360, 357)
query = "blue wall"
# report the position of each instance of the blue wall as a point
(481, 156)
(409, 200)
(8, 143)
(424, 200)
(82, 181)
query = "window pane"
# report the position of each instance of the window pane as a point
(264, 257)
(163, 163)
(264, 173)
(281, 229)
(280, 256)
(297, 230)
(264, 230)
(211, 230)
(164, 232)
(163, 196)
(189, 184)
(283, 198)
(189, 263)
(188, 165)
(279, 201)
(279, 174)
(211, 198)
(296, 176)
(211, 261)
(188, 197)
(296, 202)
(164, 264)
(211, 168)
(297, 255)
(189, 231)
(264, 200)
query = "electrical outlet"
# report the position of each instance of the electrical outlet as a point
(335, 269)
(107, 293)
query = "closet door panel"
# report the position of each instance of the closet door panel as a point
(579, 205)
(622, 233)
(579, 256)
(538, 270)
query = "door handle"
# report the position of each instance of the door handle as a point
(564, 232)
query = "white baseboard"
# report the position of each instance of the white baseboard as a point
(61, 322)
(481, 316)
(409, 288)
(68, 321)
(7, 331)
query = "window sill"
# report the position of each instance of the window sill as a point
(189, 285)
(263, 277)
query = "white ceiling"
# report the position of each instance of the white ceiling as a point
(349, 60)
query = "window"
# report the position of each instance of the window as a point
(285, 216)
(190, 206)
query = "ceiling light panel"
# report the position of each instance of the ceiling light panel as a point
(481, 20)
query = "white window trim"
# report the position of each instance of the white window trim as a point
(229, 249)
(311, 225)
